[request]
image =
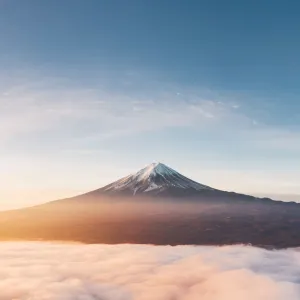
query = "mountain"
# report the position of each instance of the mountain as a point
(154, 179)
(160, 181)
(158, 205)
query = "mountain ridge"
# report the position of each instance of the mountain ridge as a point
(158, 180)
(158, 205)
(156, 177)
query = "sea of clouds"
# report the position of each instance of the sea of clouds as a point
(40, 271)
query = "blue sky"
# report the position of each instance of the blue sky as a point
(93, 90)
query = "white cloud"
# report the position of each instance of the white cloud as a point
(45, 271)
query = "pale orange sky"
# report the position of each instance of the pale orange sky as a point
(42, 186)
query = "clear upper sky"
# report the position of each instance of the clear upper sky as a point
(92, 90)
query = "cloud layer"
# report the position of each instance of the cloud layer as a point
(44, 271)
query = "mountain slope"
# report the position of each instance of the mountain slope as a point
(154, 179)
(174, 210)
(160, 181)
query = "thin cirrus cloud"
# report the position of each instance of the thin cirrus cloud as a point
(40, 104)
(35, 105)
(46, 271)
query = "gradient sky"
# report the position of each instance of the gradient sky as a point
(93, 90)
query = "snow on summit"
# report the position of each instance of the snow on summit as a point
(156, 177)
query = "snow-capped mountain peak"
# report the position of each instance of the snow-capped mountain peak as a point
(153, 169)
(154, 178)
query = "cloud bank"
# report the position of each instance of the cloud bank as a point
(42, 271)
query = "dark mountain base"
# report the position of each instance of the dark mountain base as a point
(163, 223)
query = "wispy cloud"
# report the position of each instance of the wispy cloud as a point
(36, 105)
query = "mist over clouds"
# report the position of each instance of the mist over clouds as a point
(143, 272)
